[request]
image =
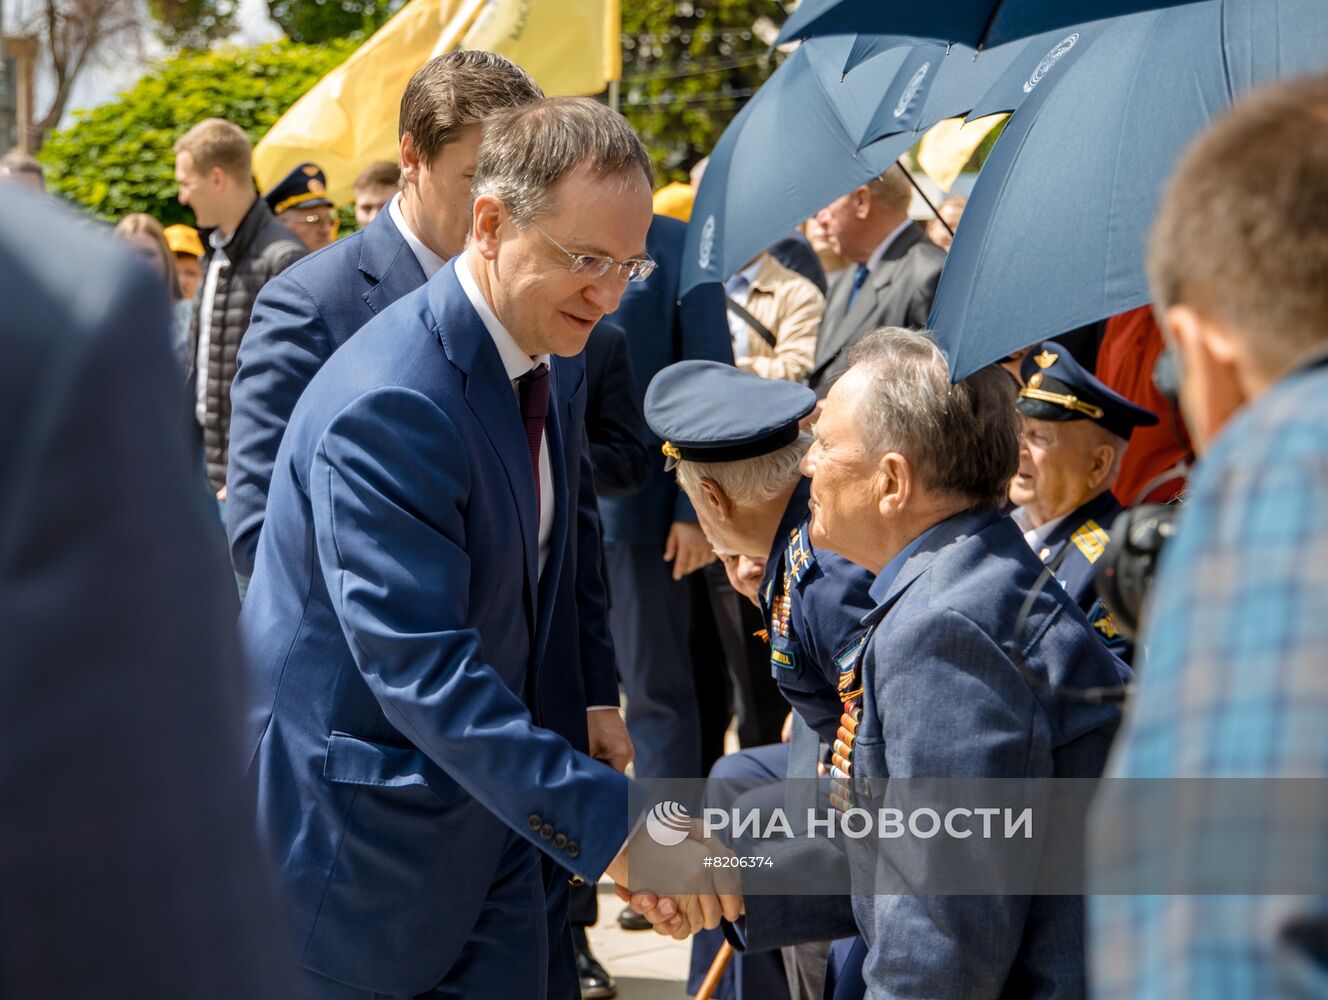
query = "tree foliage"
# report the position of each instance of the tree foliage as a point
(193, 24)
(119, 157)
(688, 67)
(321, 20)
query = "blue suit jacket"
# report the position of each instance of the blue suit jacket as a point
(942, 698)
(128, 858)
(300, 317)
(406, 655)
(661, 330)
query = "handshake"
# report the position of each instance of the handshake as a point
(680, 887)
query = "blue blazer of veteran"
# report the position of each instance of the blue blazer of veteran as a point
(942, 697)
(397, 700)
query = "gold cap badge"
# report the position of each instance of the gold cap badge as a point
(1046, 359)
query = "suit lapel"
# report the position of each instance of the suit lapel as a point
(388, 262)
(842, 327)
(491, 399)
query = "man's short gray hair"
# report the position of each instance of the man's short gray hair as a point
(527, 150)
(962, 439)
(751, 480)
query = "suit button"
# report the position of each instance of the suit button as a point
(573, 849)
(560, 841)
(535, 821)
(546, 831)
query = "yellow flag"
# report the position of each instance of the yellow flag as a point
(950, 144)
(349, 118)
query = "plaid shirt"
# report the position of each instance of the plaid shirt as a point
(1234, 683)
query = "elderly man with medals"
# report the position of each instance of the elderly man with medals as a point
(736, 444)
(1075, 433)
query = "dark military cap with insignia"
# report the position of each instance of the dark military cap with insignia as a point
(303, 187)
(1056, 387)
(706, 411)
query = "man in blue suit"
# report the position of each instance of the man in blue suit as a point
(127, 850)
(651, 539)
(420, 589)
(308, 312)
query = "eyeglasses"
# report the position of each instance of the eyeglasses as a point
(634, 269)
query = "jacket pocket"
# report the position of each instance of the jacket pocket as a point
(352, 760)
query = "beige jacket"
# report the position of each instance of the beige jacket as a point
(790, 306)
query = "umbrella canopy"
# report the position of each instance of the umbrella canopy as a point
(1055, 231)
(791, 150)
(813, 133)
(975, 23)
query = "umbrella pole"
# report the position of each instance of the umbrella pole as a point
(923, 194)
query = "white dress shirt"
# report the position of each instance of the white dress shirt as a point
(218, 242)
(430, 262)
(1035, 537)
(884, 245)
(517, 362)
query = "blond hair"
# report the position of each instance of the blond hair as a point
(215, 142)
(140, 224)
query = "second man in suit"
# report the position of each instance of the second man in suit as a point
(893, 278)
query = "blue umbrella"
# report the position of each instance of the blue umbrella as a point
(976, 23)
(936, 82)
(1055, 230)
(792, 149)
(813, 132)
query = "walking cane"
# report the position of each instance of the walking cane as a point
(716, 972)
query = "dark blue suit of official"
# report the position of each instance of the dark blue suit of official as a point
(942, 697)
(650, 614)
(406, 650)
(300, 317)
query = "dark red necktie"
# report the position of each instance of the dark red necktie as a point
(533, 389)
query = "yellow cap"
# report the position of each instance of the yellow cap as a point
(675, 201)
(184, 239)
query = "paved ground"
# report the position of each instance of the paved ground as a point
(646, 965)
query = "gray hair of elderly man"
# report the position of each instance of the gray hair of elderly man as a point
(750, 480)
(961, 438)
(527, 150)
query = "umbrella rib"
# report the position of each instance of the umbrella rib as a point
(986, 28)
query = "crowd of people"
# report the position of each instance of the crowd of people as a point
(512, 525)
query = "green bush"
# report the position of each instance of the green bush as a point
(119, 158)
